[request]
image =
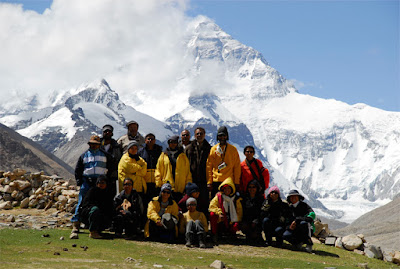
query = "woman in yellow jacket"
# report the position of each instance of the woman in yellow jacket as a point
(173, 166)
(134, 167)
(225, 210)
(162, 214)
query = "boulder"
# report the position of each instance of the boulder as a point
(373, 251)
(396, 257)
(217, 264)
(6, 205)
(330, 241)
(19, 172)
(351, 242)
(25, 203)
(22, 184)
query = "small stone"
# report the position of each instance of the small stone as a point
(158, 265)
(74, 245)
(363, 265)
(45, 235)
(129, 259)
(62, 238)
(11, 218)
(57, 253)
(359, 251)
(330, 241)
(65, 249)
(217, 264)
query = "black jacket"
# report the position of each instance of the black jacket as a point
(198, 159)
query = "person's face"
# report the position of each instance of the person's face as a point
(294, 199)
(185, 137)
(128, 186)
(173, 144)
(222, 139)
(249, 153)
(133, 150)
(133, 129)
(252, 189)
(195, 195)
(227, 191)
(274, 196)
(107, 134)
(150, 141)
(102, 185)
(199, 135)
(94, 146)
(192, 207)
(165, 194)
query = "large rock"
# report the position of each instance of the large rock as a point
(396, 257)
(6, 205)
(22, 184)
(351, 242)
(373, 252)
(25, 203)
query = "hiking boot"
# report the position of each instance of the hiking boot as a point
(308, 248)
(188, 244)
(214, 238)
(74, 236)
(298, 246)
(75, 227)
(202, 238)
(95, 235)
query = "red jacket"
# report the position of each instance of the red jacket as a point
(246, 175)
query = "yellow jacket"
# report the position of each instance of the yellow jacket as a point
(136, 170)
(216, 205)
(152, 213)
(163, 172)
(232, 169)
(188, 216)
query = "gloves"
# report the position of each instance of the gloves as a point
(79, 181)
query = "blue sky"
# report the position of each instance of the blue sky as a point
(345, 50)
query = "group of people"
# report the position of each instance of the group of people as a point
(133, 187)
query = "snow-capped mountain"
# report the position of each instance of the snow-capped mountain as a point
(344, 159)
(64, 128)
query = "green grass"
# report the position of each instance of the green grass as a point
(28, 249)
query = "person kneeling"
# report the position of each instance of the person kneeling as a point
(162, 214)
(96, 210)
(129, 208)
(194, 224)
(302, 225)
(225, 210)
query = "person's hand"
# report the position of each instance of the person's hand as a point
(292, 226)
(158, 223)
(221, 217)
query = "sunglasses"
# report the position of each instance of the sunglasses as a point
(127, 184)
(185, 135)
(150, 139)
(199, 133)
(274, 192)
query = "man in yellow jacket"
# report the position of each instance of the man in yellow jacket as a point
(173, 166)
(134, 167)
(223, 162)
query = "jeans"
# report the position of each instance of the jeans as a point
(82, 192)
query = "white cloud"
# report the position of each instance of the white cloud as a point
(77, 41)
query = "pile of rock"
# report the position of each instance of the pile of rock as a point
(352, 242)
(36, 190)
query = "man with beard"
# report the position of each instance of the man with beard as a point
(223, 162)
(110, 145)
(132, 135)
(173, 167)
(185, 139)
(197, 152)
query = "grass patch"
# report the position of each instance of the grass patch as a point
(28, 249)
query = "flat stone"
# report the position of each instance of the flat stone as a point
(330, 241)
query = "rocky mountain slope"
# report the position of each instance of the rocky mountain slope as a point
(17, 151)
(380, 226)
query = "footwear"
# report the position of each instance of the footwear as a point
(308, 248)
(95, 235)
(75, 227)
(214, 238)
(202, 238)
(118, 235)
(74, 236)
(298, 246)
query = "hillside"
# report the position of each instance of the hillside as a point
(17, 151)
(380, 226)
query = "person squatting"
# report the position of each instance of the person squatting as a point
(191, 192)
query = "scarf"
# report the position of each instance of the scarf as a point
(229, 206)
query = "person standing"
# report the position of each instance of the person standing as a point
(134, 167)
(173, 167)
(110, 145)
(223, 162)
(197, 152)
(91, 164)
(150, 153)
(253, 168)
(185, 139)
(132, 135)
